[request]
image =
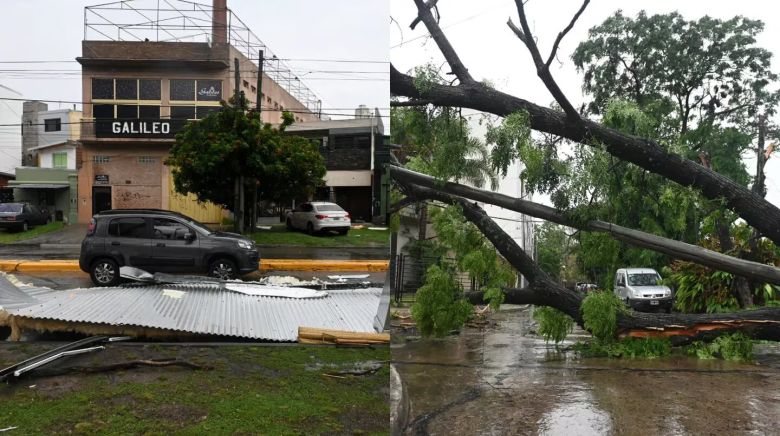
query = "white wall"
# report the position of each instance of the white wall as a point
(68, 124)
(46, 159)
(10, 136)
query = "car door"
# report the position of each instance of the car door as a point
(172, 249)
(129, 239)
(621, 285)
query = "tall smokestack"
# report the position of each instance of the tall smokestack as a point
(219, 21)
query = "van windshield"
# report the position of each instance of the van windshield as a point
(643, 279)
(11, 207)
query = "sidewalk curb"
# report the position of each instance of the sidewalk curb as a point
(265, 265)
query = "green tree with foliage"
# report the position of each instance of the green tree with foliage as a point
(233, 143)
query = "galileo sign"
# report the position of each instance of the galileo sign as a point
(137, 128)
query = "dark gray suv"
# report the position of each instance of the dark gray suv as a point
(161, 241)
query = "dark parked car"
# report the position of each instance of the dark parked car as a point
(21, 216)
(161, 241)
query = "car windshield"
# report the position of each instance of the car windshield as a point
(11, 207)
(329, 208)
(643, 279)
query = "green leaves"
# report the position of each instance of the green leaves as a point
(599, 311)
(554, 325)
(438, 308)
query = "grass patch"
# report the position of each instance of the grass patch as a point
(736, 347)
(279, 235)
(251, 390)
(645, 348)
(7, 236)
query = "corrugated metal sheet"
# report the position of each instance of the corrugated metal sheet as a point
(202, 309)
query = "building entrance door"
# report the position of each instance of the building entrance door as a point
(101, 199)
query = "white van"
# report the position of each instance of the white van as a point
(640, 288)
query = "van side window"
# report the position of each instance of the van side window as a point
(128, 228)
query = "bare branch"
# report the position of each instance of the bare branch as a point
(460, 70)
(542, 70)
(564, 32)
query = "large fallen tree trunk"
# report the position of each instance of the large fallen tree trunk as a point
(676, 249)
(643, 152)
(760, 323)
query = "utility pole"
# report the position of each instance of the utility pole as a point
(259, 104)
(238, 194)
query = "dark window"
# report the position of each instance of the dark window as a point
(103, 111)
(126, 112)
(307, 207)
(149, 89)
(103, 88)
(203, 111)
(52, 125)
(169, 229)
(362, 141)
(149, 112)
(182, 89)
(128, 228)
(183, 112)
(127, 89)
(209, 90)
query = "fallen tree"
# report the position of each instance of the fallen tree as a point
(675, 249)
(643, 152)
(761, 323)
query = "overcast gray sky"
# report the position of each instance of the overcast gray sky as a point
(491, 51)
(298, 29)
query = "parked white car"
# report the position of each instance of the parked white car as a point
(319, 216)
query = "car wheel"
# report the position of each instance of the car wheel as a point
(289, 224)
(310, 228)
(25, 227)
(343, 231)
(223, 269)
(104, 272)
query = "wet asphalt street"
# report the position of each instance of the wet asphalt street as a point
(73, 280)
(505, 380)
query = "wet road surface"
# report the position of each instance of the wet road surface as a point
(504, 380)
(73, 280)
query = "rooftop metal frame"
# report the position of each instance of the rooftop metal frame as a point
(189, 21)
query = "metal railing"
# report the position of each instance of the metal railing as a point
(188, 21)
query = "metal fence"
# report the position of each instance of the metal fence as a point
(408, 275)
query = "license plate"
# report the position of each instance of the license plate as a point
(335, 218)
(654, 302)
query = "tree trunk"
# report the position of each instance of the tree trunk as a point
(675, 249)
(645, 153)
(760, 323)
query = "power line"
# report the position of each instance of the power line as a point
(133, 103)
(268, 60)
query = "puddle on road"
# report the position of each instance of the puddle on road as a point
(504, 380)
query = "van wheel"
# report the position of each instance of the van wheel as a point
(104, 272)
(223, 269)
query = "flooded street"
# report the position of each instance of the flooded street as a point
(503, 379)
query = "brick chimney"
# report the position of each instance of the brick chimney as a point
(219, 21)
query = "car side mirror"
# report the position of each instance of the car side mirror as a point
(189, 237)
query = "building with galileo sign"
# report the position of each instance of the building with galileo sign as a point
(142, 88)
